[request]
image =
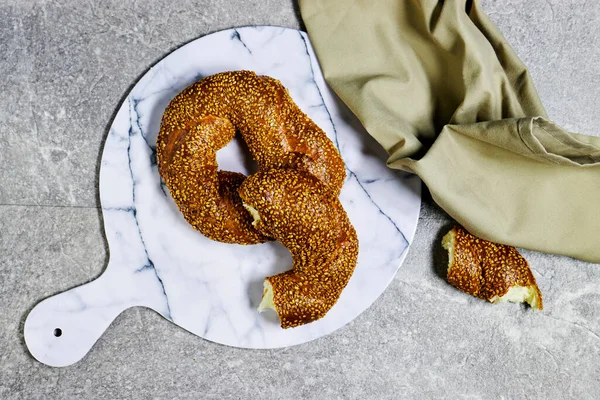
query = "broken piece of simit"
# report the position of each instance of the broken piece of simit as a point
(491, 271)
(297, 209)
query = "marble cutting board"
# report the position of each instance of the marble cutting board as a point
(208, 288)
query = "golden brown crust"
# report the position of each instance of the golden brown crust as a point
(205, 116)
(208, 198)
(308, 219)
(488, 270)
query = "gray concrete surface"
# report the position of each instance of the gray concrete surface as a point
(65, 65)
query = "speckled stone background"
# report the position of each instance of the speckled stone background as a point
(65, 66)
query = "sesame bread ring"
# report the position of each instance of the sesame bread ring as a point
(297, 209)
(205, 116)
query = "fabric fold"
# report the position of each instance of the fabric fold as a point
(438, 86)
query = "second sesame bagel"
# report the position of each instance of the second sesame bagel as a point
(204, 117)
(298, 210)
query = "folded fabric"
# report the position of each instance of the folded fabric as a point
(438, 86)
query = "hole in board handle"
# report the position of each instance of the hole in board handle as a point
(57, 332)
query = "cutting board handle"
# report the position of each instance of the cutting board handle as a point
(62, 329)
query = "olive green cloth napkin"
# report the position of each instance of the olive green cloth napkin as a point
(438, 86)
